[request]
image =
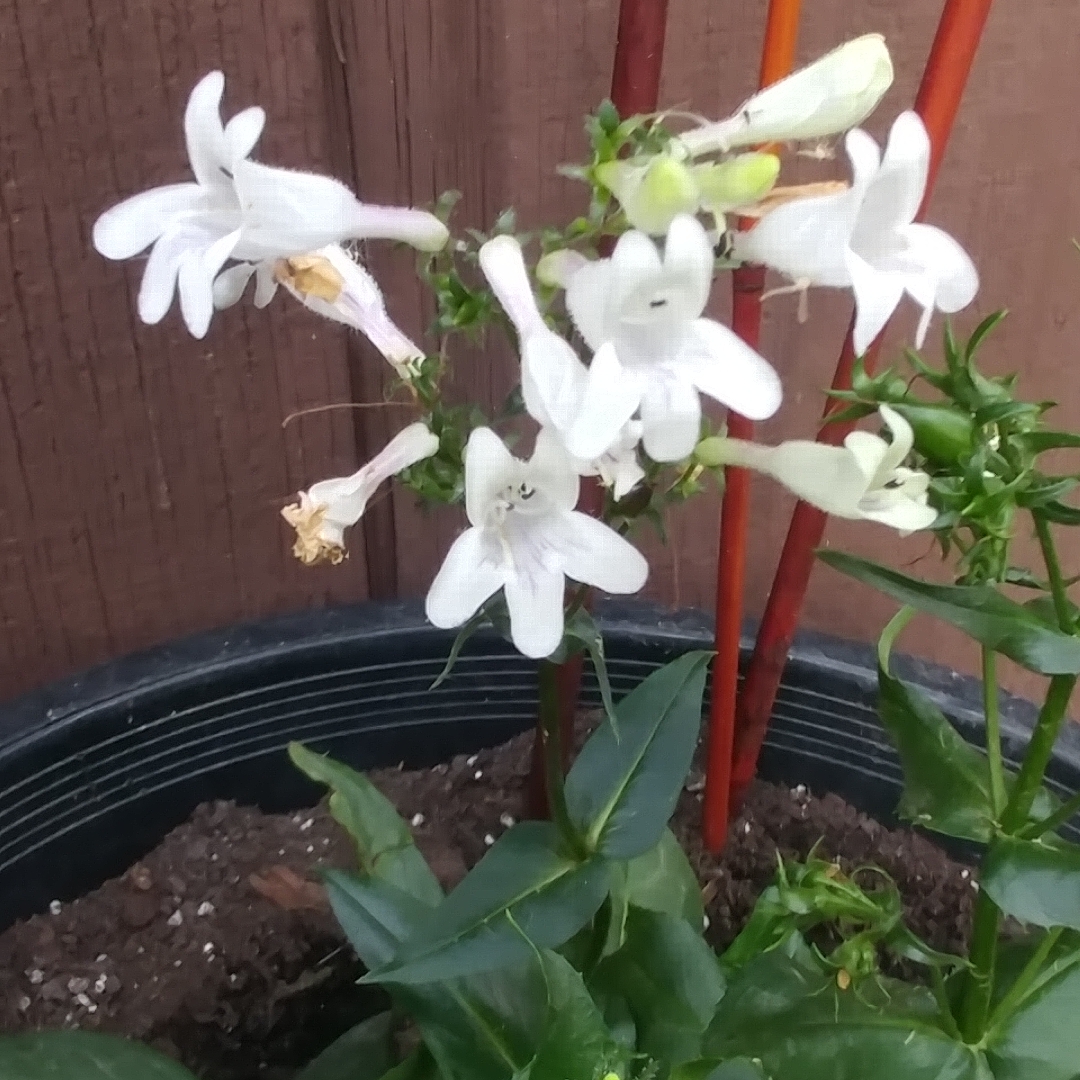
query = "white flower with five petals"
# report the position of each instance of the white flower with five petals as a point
(866, 238)
(239, 209)
(328, 508)
(640, 312)
(526, 538)
(865, 479)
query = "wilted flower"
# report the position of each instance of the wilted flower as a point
(526, 538)
(863, 479)
(647, 308)
(329, 507)
(867, 239)
(830, 96)
(238, 209)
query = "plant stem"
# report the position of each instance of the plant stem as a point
(975, 1004)
(551, 737)
(1032, 968)
(993, 730)
(1058, 589)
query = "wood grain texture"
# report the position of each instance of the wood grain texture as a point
(141, 472)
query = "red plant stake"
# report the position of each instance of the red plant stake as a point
(747, 285)
(947, 70)
(635, 88)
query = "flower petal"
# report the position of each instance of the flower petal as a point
(556, 268)
(670, 417)
(877, 293)
(206, 146)
(903, 439)
(587, 302)
(471, 573)
(551, 470)
(610, 397)
(722, 365)
(942, 276)
(489, 467)
(230, 284)
(242, 132)
(196, 282)
(636, 270)
(503, 265)
(133, 225)
(534, 596)
(187, 239)
(265, 284)
(688, 259)
(828, 477)
(417, 228)
(870, 452)
(552, 379)
(596, 555)
(906, 516)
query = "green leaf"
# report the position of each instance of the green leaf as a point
(670, 979)
(946, 779)
(364, 1052)
(1059, 513)
(979, 610)
(582, 627)
(525, 889)
(662, 879)
(623, 788)
(83, 1055)
(576, 1043)
(477, 622)
(1039, 441)
(383, 841)
(1034, 881)
(1038, 1041)
(978, 335)
(419, 1065)
(786, 1009)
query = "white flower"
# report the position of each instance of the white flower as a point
(829, 96)
(239, 209)
(866, 238)
(329, 507)
(618, 467)
(526, 539)
(863, 479)
(330, 282)
(641, 314)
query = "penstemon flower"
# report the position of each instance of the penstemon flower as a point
(526, 538)
(328, 508)
(863, 479)
(866, 238)
(239, 209)
(829, 96)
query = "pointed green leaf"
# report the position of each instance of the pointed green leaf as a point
(477, 622)
(419, 1065)
(83, 1055)
(1035, 881)
(525, 889)
(671, 981)
(979, 610)
(662, 879)
(623, 787)
(364, 1052)
(1039, 441)
(383, 841)
(582, 627)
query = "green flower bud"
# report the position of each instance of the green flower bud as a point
(711, 452)
(943, 434)
(651, 194)
(740, 181)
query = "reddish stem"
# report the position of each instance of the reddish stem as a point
(747, 285)
(946, 74)
(635, 88)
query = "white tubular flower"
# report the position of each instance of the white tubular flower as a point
(526, 538)
(863, 480)
(335, 286)
(830, 96)
(559, 391)
(866, 238)
(239, 209)
(641, 314)
(329, 507)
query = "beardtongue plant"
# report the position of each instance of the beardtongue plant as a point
(575, 949)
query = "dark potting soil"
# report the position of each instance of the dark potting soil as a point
(219, 947)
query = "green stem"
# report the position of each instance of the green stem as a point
(1018, 991)
(993, 730)
(1058, 589)
(553, 764)
(1058, 818)
(975, 1003)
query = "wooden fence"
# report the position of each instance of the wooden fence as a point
(141, 472)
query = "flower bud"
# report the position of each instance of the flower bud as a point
(740, 181)
(830, 96)
(943, 434)
(710, 452)
(653, 194)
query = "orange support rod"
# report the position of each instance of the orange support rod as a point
(747, 285)
(946, 74)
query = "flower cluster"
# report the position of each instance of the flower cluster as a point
(615, 384)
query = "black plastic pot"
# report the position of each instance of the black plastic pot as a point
(96, 769)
